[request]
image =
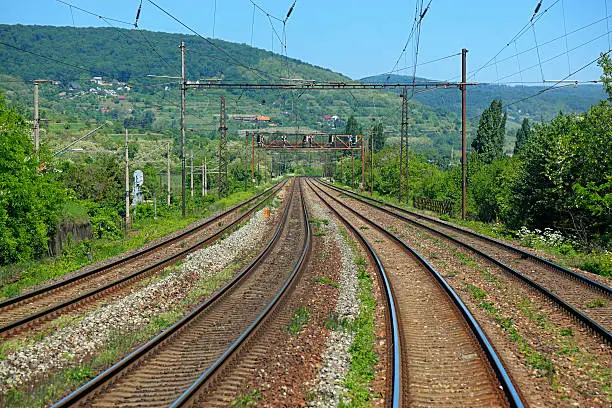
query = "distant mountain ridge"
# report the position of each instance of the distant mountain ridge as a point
(543, 106)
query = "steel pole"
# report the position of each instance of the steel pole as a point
(183, 88)
(463, 135)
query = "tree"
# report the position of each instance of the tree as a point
(489, 141)
(606, 65)
(30, 199)
(379, 139)
(352, 127)
(522, 135)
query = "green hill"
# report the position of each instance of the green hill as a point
(543, 107)
(74, 104)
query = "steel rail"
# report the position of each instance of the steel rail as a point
(215, 368)
(140, 252)
(582, 318)
(391, 306)
(503, 377)
(584, 279)
(118, 282)
(99, 381)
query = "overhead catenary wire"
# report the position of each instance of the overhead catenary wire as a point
(499, 81)
(554, 86)
(261, 74)
(519, 34)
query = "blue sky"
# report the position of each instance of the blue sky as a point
(360, 38)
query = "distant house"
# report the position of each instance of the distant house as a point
(74, 86)
(262, 118)
(121, 97)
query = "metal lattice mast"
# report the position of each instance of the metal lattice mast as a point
(403, 160)
(222, 179)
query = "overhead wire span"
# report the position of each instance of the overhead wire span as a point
(258, 72)
(519, 34)
(94, 14)
(551, 58)
(554, 86)
(427, 62)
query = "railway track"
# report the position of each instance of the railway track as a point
(571, 291)
(446, 360)
(31, 310)
(174, 366)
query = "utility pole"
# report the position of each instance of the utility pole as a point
(127, 182)
(372, 166)
(352, 168)
(403, 163)
(192, 174)
(363, 162)
(222, 183)
(204, 186)
(463, 134)
(168, 173)
(253, 159)
(36, 115)
(183, 88)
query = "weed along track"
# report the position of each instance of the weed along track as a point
(446, 360)
(589, 301)
(32, 309)
(171, 368)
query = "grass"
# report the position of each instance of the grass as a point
(320, 233)
(533, 358)
(15, 278)
(248, 400)
(318, 222)
(465, 259)
(336, 323)
(299, 320)
(476, 292)
(363, 356)
(50, 389)
(326, 280)
(595, 303)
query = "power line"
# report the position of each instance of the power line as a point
(553, 58)
(94, 14)
(520, 33)
(554, 86)
(428, 62)
(258, 72)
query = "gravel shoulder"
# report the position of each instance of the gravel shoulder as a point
(173, 294)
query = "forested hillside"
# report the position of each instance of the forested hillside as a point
(544, 107)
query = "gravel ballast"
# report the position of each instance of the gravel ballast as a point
(75, 343)
(328, 385)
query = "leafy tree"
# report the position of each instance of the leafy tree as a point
(379, 139)
(489, 140)
(30, 199)
(522, 135)
(352, 126)
(605, 63)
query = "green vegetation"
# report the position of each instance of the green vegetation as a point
(51, 389)
(533, 358)
(327, 281)
(596, 303)
(317, 222)
(363, 356)
(77, 255)
(299, 319)
(248, 400)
